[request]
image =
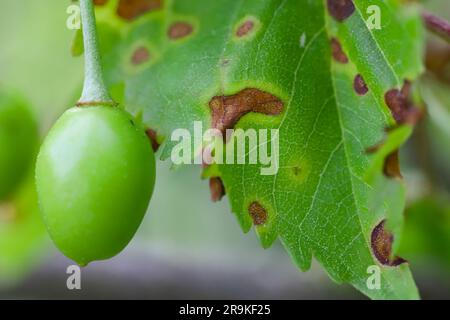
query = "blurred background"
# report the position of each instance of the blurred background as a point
(187, 246)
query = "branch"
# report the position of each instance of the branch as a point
(437, 25)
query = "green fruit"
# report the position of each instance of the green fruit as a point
(95, 175)
(18, 141)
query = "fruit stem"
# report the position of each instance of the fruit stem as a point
(94, 90)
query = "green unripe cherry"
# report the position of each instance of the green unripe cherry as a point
(95, 175)
(18, 141)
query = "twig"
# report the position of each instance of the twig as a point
(437, 25)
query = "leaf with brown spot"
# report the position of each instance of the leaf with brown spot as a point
(217, 189)
(340, 9)
(392, 166)
(227, 110)
(152, 135)
(399, 102)
(323, 199)
(338, 53)
(140, 56)
(383, 64)
(360, 85)
(258, 213)
(179, 30)
(245, 28)
(381, 242)
(133, 9)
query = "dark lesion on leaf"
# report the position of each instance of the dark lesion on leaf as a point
(245, 28)
(402, 108)
(140, 56)
(381, 243)
(337, 52)
(153, 137)
(217, 189)
(340, 9)
(133, 9)
(360, 85)
(258, 213)
(391, 167)
(227, 110)
(179, 30)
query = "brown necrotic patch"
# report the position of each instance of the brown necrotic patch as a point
(227, 110)
(153, 137)
(337, 52)
(245, 28)
(217, 189)
(391, 167)
(133, 9)
(140, 56)
(401, 106)
(360, 85)
(397, 103)
(179, 30)
(258, 213)
(340, 9)
(100, 2)
(381, 243)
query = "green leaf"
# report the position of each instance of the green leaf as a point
(427, 231)
(23, 237)
(330, 193)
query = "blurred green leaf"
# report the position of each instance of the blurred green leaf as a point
(426, 235)
(22, 234)
(437, 123)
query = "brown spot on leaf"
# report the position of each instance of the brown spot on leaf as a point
(337, 52)
(227, 110)
(381, 242)
(179, 30)
(397, 103)
(217, 189)
(100, 2)
(133, 9)
(152, 135)
(341, 9)
(258, 213)
(360, 85)
(392, 166)
(245, 28)
(401, 106)
(140, 55)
